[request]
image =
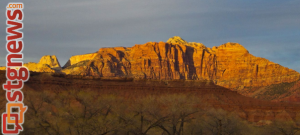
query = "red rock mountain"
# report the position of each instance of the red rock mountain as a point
(229, 65)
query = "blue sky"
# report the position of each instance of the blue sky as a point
(269, 29)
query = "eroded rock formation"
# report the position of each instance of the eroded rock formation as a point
(47, 63)
(229, 65)
(2, 68)
(78, 58)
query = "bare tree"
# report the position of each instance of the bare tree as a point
(220, 122)
(180, 109)
(281, 127)
(143, 115)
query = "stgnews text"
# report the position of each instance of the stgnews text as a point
(14, 116)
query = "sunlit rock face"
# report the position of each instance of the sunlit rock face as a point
(238, 68)
(79, 58)
(50, 60)
(47, 63)
(2, 68)
(229, 65)
(77, 64)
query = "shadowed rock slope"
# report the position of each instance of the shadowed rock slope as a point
(229, 65)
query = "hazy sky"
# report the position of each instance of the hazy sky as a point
(269, 28)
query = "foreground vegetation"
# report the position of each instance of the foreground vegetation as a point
(76, 112)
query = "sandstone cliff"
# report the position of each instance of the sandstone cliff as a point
(78, 58)
(229, 65)
(2, 68)
(52, 61)
(77, 64)
(47, 64)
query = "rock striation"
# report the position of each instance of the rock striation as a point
(229, 65)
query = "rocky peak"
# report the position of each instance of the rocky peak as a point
(176, 40)
(229, 65)
(47, 63)
(50, 60)
(231, 45)
(234, 48)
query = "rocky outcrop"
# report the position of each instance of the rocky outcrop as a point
(75, 69)
(47, 63)
(77, 64)
(238, 68)
(52, 61)
(78, 58)
(229, 65)
(2, 68)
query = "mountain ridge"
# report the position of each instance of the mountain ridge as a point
(229, 65)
